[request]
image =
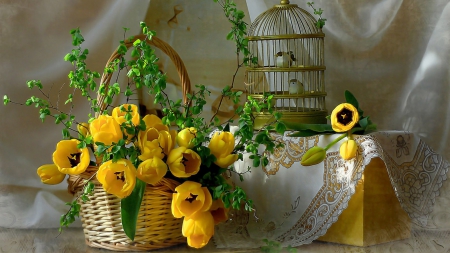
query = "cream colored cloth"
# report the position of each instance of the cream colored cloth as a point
(296, 204)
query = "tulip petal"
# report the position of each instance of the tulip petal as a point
(348, 149)
(117, 178)
(152, 170)
(224, 162)
(50, 174)
(69, 158)
(198, 229)
(190, 198)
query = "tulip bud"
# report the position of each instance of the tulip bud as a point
(185, 137)
(348, 149)
(50, 174)
(313, 156)
(83, 128)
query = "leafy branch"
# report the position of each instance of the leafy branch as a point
(237, 34)
(321, 21)
(74, 210)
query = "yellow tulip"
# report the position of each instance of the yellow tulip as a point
(152, 170)
(185, 137)
(313, 156)
(50, 174)
(221, 146)
(117, 178)
(83, 128)
(119, 115)
(153, 121)
(183, 162)
(105, 129)
(348, 149)
(155, 143)
(218, 211)
(69, 159)
(344, 117)
(198, 229)
(190, 198)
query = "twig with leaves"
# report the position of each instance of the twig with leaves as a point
(321, 21)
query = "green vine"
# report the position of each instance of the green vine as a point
(321, 21)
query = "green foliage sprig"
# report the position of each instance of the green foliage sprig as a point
(321, 21)
(74, 206)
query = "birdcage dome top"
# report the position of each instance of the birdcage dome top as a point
(284, 19)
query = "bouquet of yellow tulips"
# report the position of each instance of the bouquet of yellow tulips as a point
(126, 151)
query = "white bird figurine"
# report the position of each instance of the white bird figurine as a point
(295, 87)
(284, 59)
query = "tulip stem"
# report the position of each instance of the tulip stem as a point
(350, 135)
(336, 141)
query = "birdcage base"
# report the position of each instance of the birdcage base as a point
(302, 116)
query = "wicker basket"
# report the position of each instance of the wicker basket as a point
(101, 217)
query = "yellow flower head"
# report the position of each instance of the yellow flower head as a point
(198, 229)
(185, 137)
(155, 142)
(105, 129)
(344, 117)
(69, 159)
(119, 115)
(50, 174)
(152, 170)
(218, 211)
(190, 198)
(313, 156)
(153, 121)
(117, 178)
(83, 128)
(348, 149)
(221, 146)
(183, 162)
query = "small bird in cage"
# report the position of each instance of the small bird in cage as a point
(285, 59)
(295, 87)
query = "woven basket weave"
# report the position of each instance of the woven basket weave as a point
(101, 215)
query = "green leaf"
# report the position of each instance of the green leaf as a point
(370, 128)
(306, 133)
(364, 122)
(280, 127)
(230, 35)
(130, 209)
(351, 99)
(318, 128)
(136, 42)
(65, 133)
(101, 148)
(6, 100)
(256, 161)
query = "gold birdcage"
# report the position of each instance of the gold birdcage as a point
(290, 52)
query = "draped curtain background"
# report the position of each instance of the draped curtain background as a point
(393, 55)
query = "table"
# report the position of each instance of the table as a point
(296, 204)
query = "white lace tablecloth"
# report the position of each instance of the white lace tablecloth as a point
(295, 204)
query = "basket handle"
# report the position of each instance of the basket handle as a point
(166, 48)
